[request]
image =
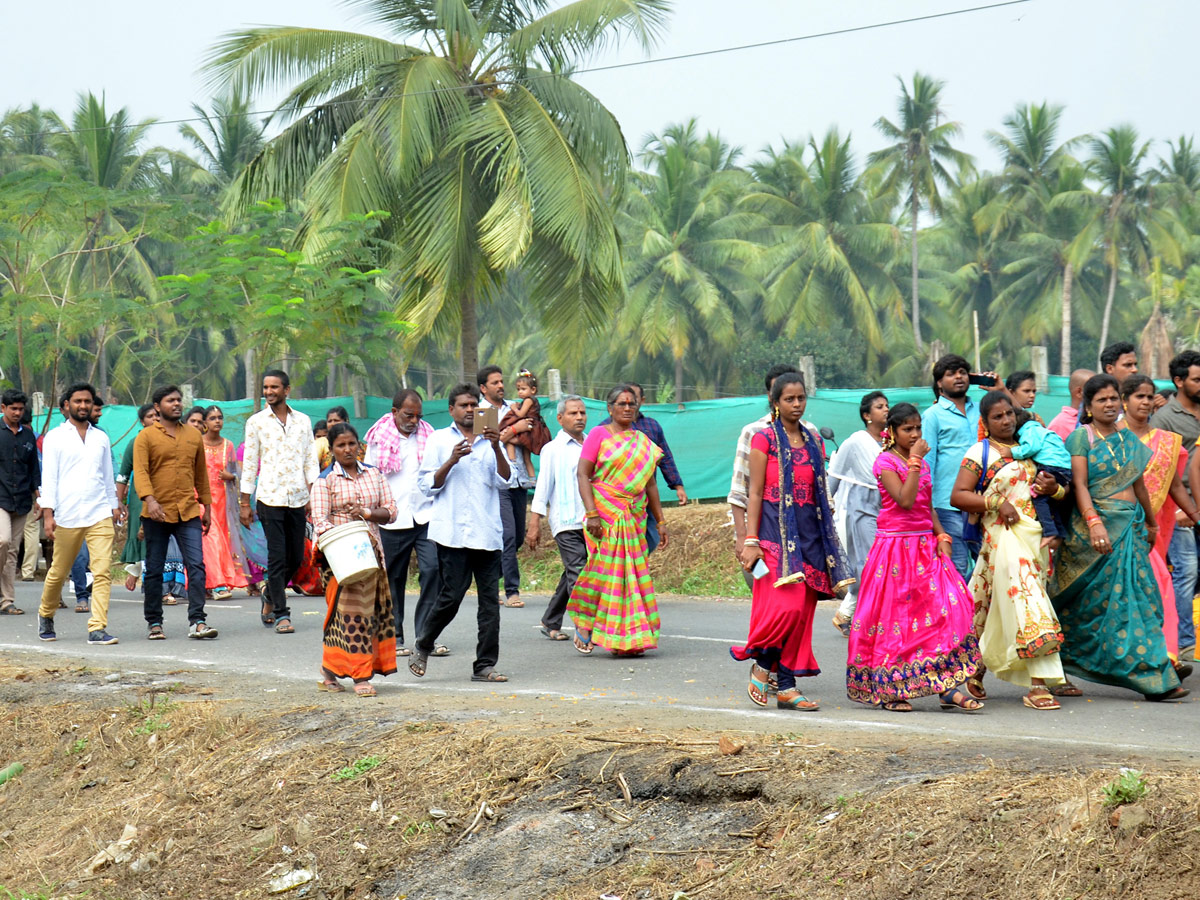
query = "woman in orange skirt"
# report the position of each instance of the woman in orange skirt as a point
(360, 635)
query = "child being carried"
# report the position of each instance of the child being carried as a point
(537, 436)
(1049, 453)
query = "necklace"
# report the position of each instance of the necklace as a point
(1119, 463)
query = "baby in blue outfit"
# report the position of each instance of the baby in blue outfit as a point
(1049, 454)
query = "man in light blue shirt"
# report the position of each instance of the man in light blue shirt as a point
(557, 498)
(951, 427)
(465, 480)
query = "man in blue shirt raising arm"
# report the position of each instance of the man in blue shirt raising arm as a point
(951, 427)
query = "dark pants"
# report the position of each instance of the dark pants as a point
(79, 574)
(572, 550)
(456, 567)
(1052, 514)
(512, 517)
(189, 536)
(283, 527)
(398, 547)
(652, 536)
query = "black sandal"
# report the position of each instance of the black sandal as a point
(417, 662)
(267, 616)
(284, 626)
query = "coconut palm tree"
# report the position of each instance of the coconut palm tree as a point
(830, 243)
(470, 131)
(687, 257)
(917, 161)
(1133, 227)
(231, 137)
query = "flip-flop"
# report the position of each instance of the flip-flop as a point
(513, 602)
(584, 647)
(553, 633)
(329, 686)
(1066, 689)
(365, 689)
(489, 675)
(756, 689)
(83, 607)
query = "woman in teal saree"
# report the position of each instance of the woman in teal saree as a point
(1106, 596)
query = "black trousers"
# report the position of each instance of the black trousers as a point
(572, 550)
(456, 567)
(512, 516)
(398, 547)
(283, 527)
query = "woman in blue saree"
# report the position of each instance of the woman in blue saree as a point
(1106, 596)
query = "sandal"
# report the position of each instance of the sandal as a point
(514, 602)
(1066, 689)
(267, 615)
(956, 699)
(975, 686)
(584, 647)
(897, 706)
(757, 688)
(417, 664)
(440, 650)
(284, 626)
(488, 674)
(797, 702)
(253, 590)
(156, 633)
(553, 633)
(1176, 693)
(329, 684)
(11, 609)
(1040, 698)
(1183, 670)
(83, 606)
(365, 689)
(222, 593)
(401, 650)
(842, 624)
(171, 600)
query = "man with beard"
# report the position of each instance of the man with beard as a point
(950, 427)
(79, 504)
(1181, 414)
(396, 446)
(83, 562)
(170, 474)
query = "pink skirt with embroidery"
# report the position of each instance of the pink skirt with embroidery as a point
(912, 632)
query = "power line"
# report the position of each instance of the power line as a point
(699, 54)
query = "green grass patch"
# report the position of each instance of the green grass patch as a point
(361, 767)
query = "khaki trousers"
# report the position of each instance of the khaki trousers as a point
(11, 526)
(33, 534)
(67, 541)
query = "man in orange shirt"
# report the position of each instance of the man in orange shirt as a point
(170, 474)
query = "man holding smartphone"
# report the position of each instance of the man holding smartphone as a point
(951, 427)
(466, 479)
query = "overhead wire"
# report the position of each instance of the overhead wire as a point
(698, 54)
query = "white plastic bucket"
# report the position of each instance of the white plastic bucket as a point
(348, 551)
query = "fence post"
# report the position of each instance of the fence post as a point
(1039, 357)
(554, 384)
(38, 404)
(808, 370)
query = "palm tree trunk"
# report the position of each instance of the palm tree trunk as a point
(916, 297)
(679, 380)
(102, 355)
(26, 384)
(428, 376)
(1064, 367)
(331, 379)
(251, 382)
(1108, 305)
(470, 335)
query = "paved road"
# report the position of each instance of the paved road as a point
(691, 673)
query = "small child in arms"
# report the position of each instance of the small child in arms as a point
(1049, 454)
(530, 409)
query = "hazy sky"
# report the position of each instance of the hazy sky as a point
(1107, 61)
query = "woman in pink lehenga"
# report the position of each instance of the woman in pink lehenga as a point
(224, 561)
(912, 633)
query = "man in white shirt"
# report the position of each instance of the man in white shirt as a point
(281, 462)
(513, 501)
(466, 478)
(557, 499)
(396, 445)
(79, 504)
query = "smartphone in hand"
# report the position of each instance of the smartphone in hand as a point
(980, 380)
(759, 570)
(486, 416)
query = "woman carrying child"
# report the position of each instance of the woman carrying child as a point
(911, 635)
(1111, 609)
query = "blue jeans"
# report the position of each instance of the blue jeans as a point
(79, 574)
(190, 538)
(951, 520)
(1182, 557)
(652, 537)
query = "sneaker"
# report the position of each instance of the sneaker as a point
(101, 637)
(200, 630)
(46, 629)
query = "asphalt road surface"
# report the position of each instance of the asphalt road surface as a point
(691, 673)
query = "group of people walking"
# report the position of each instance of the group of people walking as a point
(966, 538)
(978, 539)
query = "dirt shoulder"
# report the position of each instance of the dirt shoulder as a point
(176, 784)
